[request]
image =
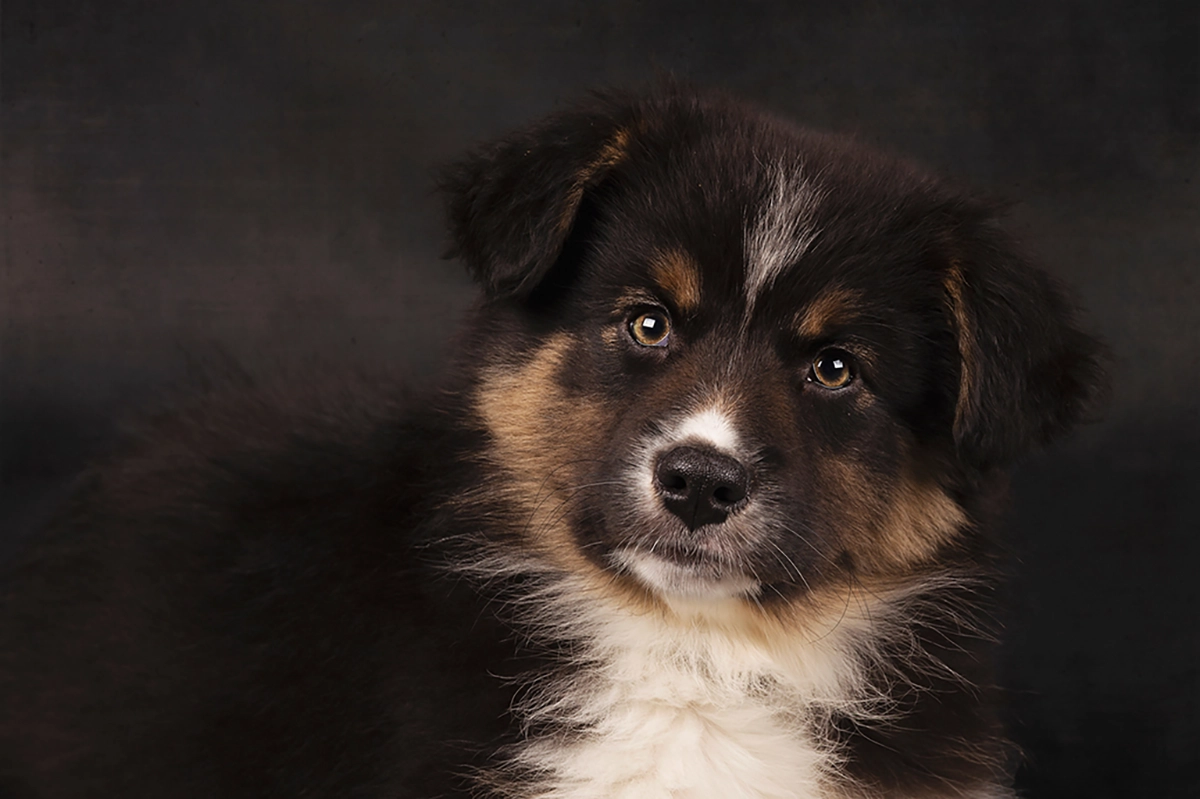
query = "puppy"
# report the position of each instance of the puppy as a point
(701, 509)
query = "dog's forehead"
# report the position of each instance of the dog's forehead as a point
(760, 253)
(757, 219)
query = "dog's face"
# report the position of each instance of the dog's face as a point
(723, 357)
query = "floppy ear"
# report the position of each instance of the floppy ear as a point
(512, 204)
(1027, 374)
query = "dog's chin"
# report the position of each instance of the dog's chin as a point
(679, 576)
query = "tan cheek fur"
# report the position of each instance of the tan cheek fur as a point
(922, 519)
(893, 528)
(539, 436)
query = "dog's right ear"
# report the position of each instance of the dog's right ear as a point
(511, 205)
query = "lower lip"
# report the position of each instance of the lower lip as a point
(680, 557)
(687, 574)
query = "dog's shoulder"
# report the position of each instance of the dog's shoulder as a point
(258, 563)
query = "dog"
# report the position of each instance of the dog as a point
(703, 507)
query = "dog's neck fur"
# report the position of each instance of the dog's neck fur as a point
(688, 701)
(690, 698)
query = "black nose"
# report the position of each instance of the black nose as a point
(700, 486)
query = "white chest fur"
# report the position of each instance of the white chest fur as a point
(693, 712)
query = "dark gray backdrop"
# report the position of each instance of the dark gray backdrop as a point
(181, 177)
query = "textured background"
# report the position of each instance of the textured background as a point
(192, 176)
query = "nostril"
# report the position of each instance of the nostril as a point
(729, 495)
(673, 482)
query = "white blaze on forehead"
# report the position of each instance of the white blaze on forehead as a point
(782, 230)
(710, 425)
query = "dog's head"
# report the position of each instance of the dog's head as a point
(722, 356)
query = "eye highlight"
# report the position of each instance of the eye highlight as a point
(833, 368)
(651, 328)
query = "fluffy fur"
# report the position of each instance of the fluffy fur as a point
(701, 509)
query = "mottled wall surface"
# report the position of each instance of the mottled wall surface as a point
(183, 178)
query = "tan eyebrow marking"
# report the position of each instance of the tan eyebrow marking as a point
(831, 307)
(679, 276)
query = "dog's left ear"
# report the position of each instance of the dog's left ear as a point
(512, 205)
(1027, 374)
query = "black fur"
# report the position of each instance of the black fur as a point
(259, 596)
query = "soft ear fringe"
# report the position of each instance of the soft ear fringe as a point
(1027, 373)
(511, 205)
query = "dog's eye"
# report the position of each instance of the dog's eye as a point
(651, 328)
(832, 368)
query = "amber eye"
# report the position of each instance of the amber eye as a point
(832, 368)
(651, 328)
